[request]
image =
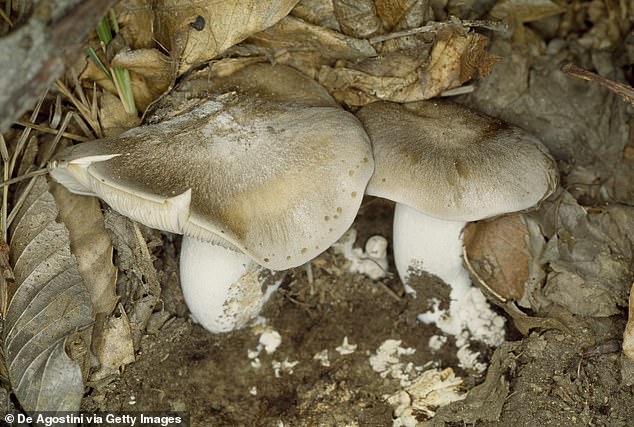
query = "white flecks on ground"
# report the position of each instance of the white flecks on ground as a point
(322, 357)
(469, 317)
(432, 389)
(346, 348)
(387, 361)
(253, 391)
(285, 367)
(268, 341)
(469, 359)
(436, 342)
(423, 388)
(372, 261)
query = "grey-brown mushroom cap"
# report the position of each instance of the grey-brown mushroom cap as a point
(280, 181)
(452, 163)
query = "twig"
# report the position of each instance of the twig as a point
(435, 26)
(625, 92)
(6, 183)
(52, 131)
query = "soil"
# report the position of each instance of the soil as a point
(552, 377)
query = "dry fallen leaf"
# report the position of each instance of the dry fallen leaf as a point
(90, 244)
(498, 252)
(454, 59)
(196, 32)
(113, 118)
(589, 255)
(50, 305)
(113, 345)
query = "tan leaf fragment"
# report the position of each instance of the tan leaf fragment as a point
(90, 244)
(136, 19)
(317, 12)
(198, 31)
(292, 34)
(498, 252)
(113, 118)
(357, 18)
(518, 12)
(113, 345)
(454, 60)
(151, 73)
(402, 77)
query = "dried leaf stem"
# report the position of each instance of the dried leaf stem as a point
(625, 92)
(435, 26)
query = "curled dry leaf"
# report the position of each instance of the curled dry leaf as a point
(293, 34)
(454, 59)
(90, 244)
(590, 254)
(498, 253)
(196, 31)
(317, 12)
(48, 308)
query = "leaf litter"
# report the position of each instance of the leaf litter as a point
(575, 250)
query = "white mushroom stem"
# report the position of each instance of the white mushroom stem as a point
(423, 243)
(220, 286)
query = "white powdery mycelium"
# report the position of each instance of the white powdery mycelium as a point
(422, 388)
(372, 261)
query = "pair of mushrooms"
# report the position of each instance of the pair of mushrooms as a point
(264, 169)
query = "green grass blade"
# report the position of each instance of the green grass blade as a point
(95, 58)
(104, 32)
(124, 89)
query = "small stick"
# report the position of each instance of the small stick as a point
(6, 183)
(625, 92)
(52, 131)
(435, 26)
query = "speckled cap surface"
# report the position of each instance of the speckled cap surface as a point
(279, 178)
(452, 163)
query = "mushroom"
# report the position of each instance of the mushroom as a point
(444, 165)
(258, 169)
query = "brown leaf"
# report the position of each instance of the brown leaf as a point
(113, 118)
(497, 250)
(112, 344)
(196, 31)
(292, 34)
(154, 70)
(357, 18)
(90, 244)
(454, 60)
(393, 11)
(411, 76)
